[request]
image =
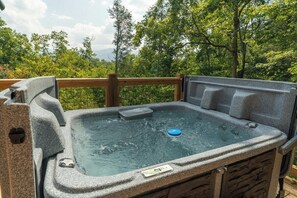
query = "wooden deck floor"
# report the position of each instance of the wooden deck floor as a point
(291, 188)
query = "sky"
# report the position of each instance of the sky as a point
(79, 18)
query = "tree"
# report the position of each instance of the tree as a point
(272, 51)
(87, 51)
(161, 33)
(123, 34)
(59, 42)
(219, 25)
(40, 43)
(14, 47)
(218, 31)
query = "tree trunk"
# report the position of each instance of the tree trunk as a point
(116, 60)
(236, 24)
(243, 60)
(117, 49)
(208, 61)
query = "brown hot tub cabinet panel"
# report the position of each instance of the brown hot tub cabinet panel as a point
(247, 178)
(199, 186)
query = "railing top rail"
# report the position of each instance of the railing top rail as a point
(5, 83)
(148, 81)
(101, 82)
(82, 82)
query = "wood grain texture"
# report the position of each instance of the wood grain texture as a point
(5, 83)
(178, 88)
(249, 178)
(196, 187)
(82, 82)
(294, 171)
(148, 81)
(112, 97)
(101, 82)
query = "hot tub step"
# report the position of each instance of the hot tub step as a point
(136, 113)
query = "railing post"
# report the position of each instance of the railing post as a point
(178, 88)
(112, 98)
(293, 171)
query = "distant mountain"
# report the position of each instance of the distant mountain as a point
(105, 54)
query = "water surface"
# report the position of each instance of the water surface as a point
(107, 145)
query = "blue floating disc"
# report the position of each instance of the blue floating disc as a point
(174, 132)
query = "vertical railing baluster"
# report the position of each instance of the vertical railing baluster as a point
(112, 91)
(178, 88)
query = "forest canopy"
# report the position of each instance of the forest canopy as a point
(244, 38)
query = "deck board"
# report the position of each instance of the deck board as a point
(290, 188)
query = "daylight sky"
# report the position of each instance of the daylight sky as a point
(79, 18)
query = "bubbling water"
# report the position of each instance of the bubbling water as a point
(107, 145)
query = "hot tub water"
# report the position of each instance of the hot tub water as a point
(107, 145)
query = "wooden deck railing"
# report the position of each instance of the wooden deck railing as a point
(293, 171)
(111, 84)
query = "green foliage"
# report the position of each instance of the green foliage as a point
(182, 36)
(50, 55)
(280, 65)
(146, 95)
(275, 45)
(85, 98)
(227, 37)
(60, 42)
(161, 33)
(14, 47)
(87, 52)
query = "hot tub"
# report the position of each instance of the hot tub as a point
(231, 142)
(112, 155)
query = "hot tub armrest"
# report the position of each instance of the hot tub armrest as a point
(288, 146)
